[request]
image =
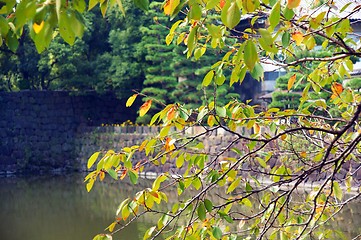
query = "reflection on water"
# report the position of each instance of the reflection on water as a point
(58, 207)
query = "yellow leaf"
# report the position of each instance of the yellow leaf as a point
(90, 184)
(170, 5)
(38, 27)
(145, 107)
(283, 137)
(293, 3)
(291, 81)
(298, 37)
(131, 100)
(303, 154)
(256, 128)
(112, 226)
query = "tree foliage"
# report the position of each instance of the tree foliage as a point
(259, 172)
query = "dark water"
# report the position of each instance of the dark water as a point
(59, 208)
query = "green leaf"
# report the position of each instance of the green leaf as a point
(217, 232)
(201, 211)
(195, 12)
(142, 4)
(250, 54)
(192, 40)
(337, 190)
(158, 181)
(113, 174)
(92, 159)
(179, 162)
(274, 17)
(286, 38)
(258, 72)
(261, 162)
(231, 14)
(288, 13)
(233, 185)
(208, 205)
(197, 183)
(208, 78)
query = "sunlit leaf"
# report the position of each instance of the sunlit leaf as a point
(274, 17)
(131, 100)
(145, 107)
(297, 37)
(170, 6)
(158, 181)
(208, 78)
(90, 184)
(231, 14)
(92, 159)
(336, 88)
(337, 190)
(293, 3)
(233, 185)
(291, 81)
(38, 27)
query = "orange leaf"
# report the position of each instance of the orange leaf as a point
(336, 88)
(169, 144)
(145, 107)
(38, 27)
(297, 37)
(221, 3)
(170, 5)
(171, 113)
(291, 81)
(303, 154)
(124, 173)
(293, 3)
(101, 176)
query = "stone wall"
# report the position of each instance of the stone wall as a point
(38, 129)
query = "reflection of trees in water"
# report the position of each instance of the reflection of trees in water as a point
(60, 205)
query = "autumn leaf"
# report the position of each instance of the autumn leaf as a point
(221, 3)
(293, 3)
(291, 81)
(169, 6)
(169, 144)
(38, 27)
(336, 89)
(145, 107)
(256, 128)
(298, 37)
(171, 113)
(124, 173)
(131, 100)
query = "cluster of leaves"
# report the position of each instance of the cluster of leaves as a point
(262, 168)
